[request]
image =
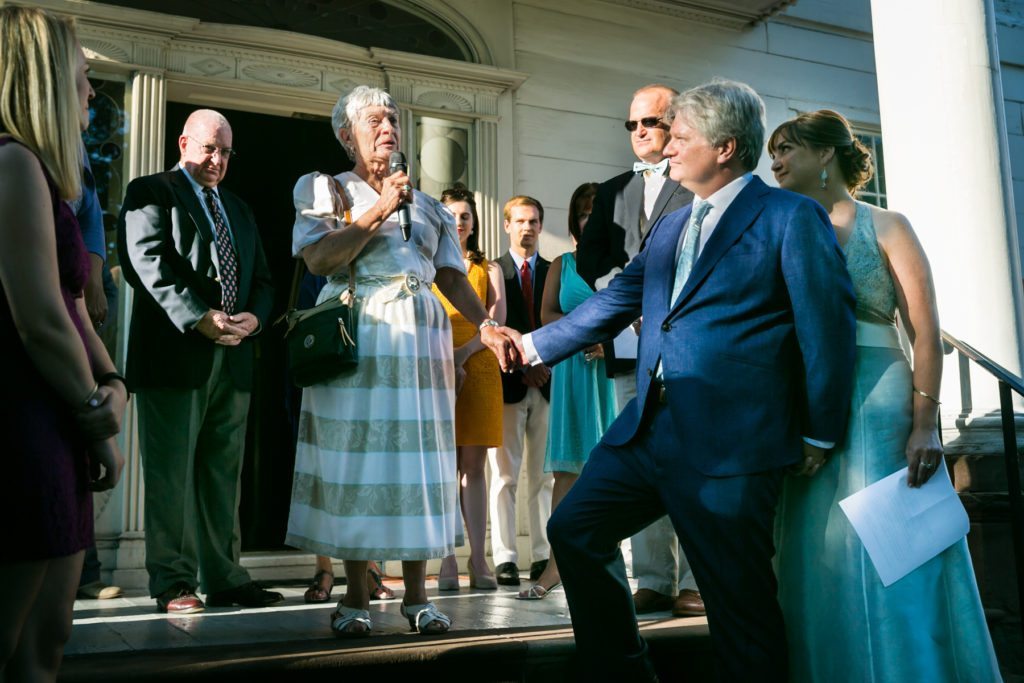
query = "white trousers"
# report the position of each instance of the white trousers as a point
(658, 561)
(525, 432)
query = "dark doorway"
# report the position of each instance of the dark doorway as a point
(273, 152)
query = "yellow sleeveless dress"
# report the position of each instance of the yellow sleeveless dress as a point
(478, 407)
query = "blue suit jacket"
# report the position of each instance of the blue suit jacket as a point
(758, 350)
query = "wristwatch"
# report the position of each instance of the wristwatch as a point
(490, 322)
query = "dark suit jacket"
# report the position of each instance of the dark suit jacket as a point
(512, 387)
(758, 349)
(618, 207)
(166, 245)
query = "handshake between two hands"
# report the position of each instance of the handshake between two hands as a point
(507, 345)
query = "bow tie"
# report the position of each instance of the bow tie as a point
(656, 169)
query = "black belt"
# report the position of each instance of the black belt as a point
(658, 391)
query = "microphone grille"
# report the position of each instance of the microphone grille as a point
(396, 159)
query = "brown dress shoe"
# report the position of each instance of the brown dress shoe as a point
(688, 604)
(179, 599)
(645, 601)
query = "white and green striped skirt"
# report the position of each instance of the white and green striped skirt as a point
(375, 464)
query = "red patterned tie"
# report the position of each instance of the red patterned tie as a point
(225, 255)
(526, 280)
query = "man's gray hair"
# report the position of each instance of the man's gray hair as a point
(346, 110)
(723, 109)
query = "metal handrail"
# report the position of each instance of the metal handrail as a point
(1007, 382)
(993, 368)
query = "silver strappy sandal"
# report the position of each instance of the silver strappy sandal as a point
(343, 618)
(426, 619)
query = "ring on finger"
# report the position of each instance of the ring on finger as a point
(927, 465)
(406, 187)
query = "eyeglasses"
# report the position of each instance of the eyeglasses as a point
(225, 152)
(646, 122)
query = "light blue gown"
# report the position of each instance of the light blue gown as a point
(582, 395)
(842, 624)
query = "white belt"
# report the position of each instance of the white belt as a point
(878, 335)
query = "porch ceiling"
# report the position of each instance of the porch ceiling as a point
(734, 14)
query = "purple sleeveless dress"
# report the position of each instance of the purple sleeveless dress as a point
(46, 503)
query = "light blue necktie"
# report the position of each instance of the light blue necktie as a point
(655, 169)
(688, 254)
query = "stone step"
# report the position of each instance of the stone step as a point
(680, 648)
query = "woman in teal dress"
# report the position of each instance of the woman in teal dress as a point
(842, 624)
(582, 396)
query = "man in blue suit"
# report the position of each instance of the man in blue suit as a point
(744, 372)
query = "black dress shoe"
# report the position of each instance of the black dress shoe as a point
(537, 568)
(507, 573)
(247, 595)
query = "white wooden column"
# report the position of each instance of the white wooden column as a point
(947, 169)
(488, 202)
(124, 532)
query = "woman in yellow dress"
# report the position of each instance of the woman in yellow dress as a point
(478, 406)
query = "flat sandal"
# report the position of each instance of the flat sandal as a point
(316, 592)
(344, 618)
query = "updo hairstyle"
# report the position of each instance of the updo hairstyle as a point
(826, 128)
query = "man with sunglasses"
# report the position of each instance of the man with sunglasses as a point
(625, 208)
(192, 254)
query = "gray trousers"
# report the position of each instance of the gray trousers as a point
(192, 443)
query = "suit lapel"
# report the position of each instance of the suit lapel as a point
(540, 278)
(734, 222)
(667, 190)
(188, 199)
(663, 251)
(513, 293)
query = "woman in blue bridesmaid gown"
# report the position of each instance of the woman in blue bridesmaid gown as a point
(582, 396)
(842, 624)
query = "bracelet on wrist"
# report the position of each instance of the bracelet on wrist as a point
(106, 378)
(87, 403)
(490, 322)
(928, 396)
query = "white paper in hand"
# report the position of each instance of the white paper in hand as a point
(901, 527)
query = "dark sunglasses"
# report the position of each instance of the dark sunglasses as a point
(646, 122)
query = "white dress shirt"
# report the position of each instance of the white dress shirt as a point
(652, 188)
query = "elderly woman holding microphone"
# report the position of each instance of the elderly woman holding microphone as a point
(375, 467)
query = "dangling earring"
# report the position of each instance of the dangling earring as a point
(824, 178)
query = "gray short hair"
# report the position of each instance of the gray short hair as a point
(725, 109)
(348, 106)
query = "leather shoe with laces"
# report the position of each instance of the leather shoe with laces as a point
(179, 599)
(507, 574)
(247, 595)
(688, 604)
(646, 600)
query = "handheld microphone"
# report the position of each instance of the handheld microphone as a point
(397, 163)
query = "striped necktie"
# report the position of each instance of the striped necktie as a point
(228, 262)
